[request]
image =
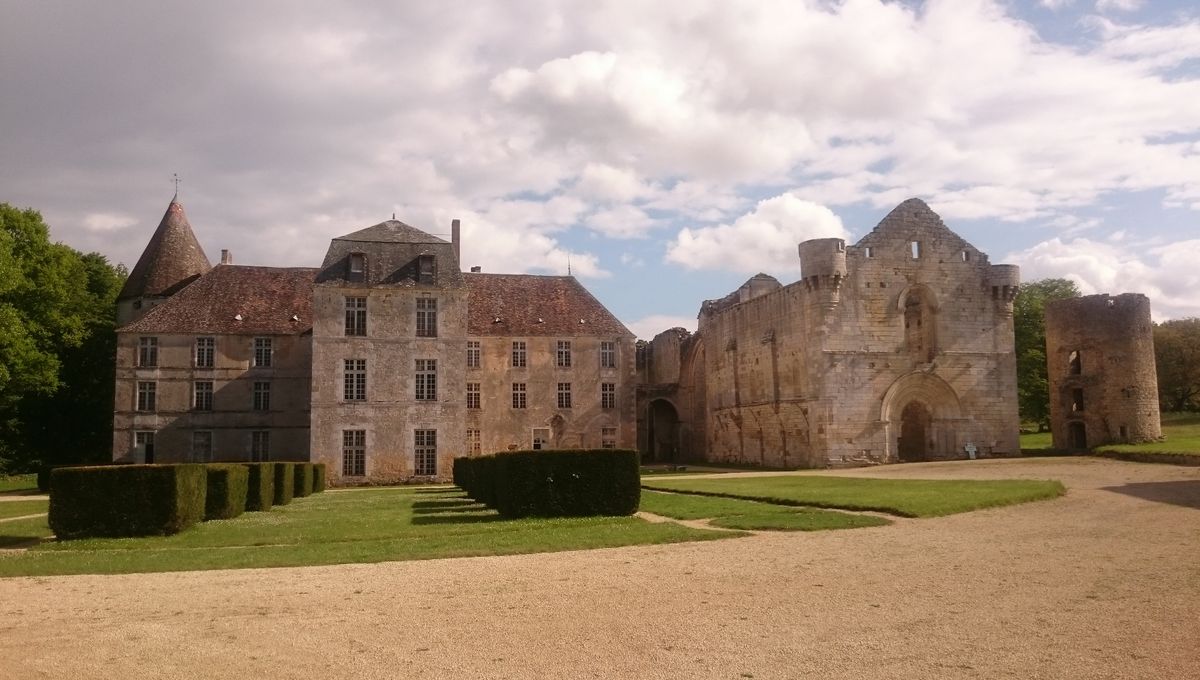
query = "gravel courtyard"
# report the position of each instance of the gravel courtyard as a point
(1101, 583)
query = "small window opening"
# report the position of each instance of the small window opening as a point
(1077, 400)
(426, 271)
(1075, 366)
(915, 248)
(868, 252)
(966, 256)
(357, 266)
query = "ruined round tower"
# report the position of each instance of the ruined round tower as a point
(1100, 358)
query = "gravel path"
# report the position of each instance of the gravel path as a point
(1101, 583)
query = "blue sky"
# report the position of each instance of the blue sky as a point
(669, 150)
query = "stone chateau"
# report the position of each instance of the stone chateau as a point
(388, 360)
(385, 363)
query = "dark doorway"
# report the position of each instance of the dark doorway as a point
(664, 432)
(914, 432)
(1077, 436)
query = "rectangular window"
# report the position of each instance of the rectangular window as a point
(1075, 363)
(354, 453)
(426, 380)
(426, 317)
(474, 443)
(518, 395)
(260, 446)
(206, 350)
(472, 395)
(356, 316)
(426, 269)
(354, 380)
(262, 395)
(563, 355)
(564, 395)
(518, 354)
(608, 355)
(357, 264)
(915, 249)
(868, 252)
(147, 352)
(147, 396)
(202, 447)
(143, 444)
(541, 437)
(473, 354)
(425, 452)
(262, 351)
(1077, 399)
(608, 395)
(608, 437)
(202, 395)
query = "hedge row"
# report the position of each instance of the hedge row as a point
(147, 500)
(570, 483)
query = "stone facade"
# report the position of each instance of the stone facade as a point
(385, 363)
(1100, 362)
(899, 347)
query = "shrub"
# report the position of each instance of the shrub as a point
(318, 477)
(260, 486)
(126, 500)
(43, 473)
(553, 483)
(303, 478)
(285, 483)
(227, 490)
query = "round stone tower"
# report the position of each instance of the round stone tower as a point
(823, 268)
(1100, 358)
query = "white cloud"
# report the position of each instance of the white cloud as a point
(622, 221)
(600, 182)
(1166, 273)
(765, 239)
(647, 327)
(105, 222)
(1118, 5)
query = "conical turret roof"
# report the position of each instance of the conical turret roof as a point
(171, 260)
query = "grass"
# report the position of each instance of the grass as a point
(19, 508)
(734, 513)
(18, 483)
(903, 497)
(1181, 434)
(1037, 441)
(374, 525)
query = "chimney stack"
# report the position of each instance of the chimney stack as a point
(226, 257)
(456, 239)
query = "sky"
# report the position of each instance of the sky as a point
(665, 151)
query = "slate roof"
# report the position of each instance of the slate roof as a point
(392, 250)
(266, 298)
(529, 306)
(391, 231)
(171, 260)
(910, 215)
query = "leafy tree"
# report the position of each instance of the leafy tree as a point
(1029, 324)
(1177, 354)
(57, 345)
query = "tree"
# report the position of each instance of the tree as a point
(1029, 325)
(1177, 355)
(57, 344)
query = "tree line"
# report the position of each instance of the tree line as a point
(57, 347)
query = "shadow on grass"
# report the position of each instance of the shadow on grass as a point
(456, 519)
(20, 541)
(433, 507)
(23, 492)
(1185, 493)
(440, 491)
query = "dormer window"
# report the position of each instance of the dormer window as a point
(357, 267)
(426, 269)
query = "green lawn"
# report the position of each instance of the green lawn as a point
(1037, 440)
(19, 508)
(336, 527)
(907, 497)
(735, 513)
(1181, 434)
(18, 483)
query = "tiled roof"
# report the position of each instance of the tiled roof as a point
(391, 231)
(171, 260)
(268, 300)
(529, 305)
(392, 250)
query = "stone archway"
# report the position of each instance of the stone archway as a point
(663, 437)
(922, 419)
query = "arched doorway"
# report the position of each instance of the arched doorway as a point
(915, 421)
(663, 425)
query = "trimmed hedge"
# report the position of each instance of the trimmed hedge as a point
(303, 478)
(318, 477)
(554, 483)
(43, 473)
(227, 490)
(126, 500)
(260, 486)
(285, 483)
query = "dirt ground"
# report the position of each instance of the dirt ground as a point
(1101, 583)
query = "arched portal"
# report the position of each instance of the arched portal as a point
(663, 425)
(915, 422)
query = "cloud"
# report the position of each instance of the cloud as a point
(764, 239)
(1118, 5)
(647, 327)
(1166, 273)
(106, 222)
